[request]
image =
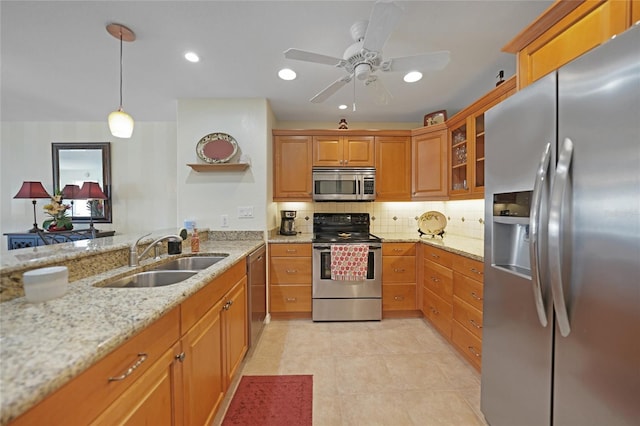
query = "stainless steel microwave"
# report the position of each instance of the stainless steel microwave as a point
(352, 184)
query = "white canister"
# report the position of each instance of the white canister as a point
(45, 283)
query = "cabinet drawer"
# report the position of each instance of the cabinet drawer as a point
(469, 267)
(93, 386)
(398, 269)
(468, 344)
(398, 297)
(290, 298)
(468, 290)
(438, 312)
(398, 249)
(468, 316)
(439, 280)
(290, 270)
(294, 250)
(437, 255)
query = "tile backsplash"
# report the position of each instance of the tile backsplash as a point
(464, 217)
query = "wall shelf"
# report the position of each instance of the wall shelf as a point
(220, 167)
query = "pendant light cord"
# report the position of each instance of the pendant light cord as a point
(121, 69)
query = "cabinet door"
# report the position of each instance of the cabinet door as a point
(459, 171)
(327, 151)
(203, 377)
(393, 168)
(154, 399)
(235, 328)
(430, 166)
(358, 151)
(292, 168)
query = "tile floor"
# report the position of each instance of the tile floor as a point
(394, 372)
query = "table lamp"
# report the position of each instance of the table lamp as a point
(70, 192)
(33, 190)
(91, 191)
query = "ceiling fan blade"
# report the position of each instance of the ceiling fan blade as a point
(383, 19)
(303, 55)
(432, 61)
(381, 95)
(331, 89)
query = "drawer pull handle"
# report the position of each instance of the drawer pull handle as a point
(142, 357)
(398, 298)
(435, 256)
(475, 296)
(435, 280)
(292, 271)
(292, 299)
(475, 324)
(434, 310)
(291, 250)
(474, 351)
(475, 271)
(398, 270)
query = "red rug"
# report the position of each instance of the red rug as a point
(271, 401)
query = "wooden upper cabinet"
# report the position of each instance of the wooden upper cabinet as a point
(393, 168)
(292, 168)
(566, 30)
(429, 168)
(341, 151)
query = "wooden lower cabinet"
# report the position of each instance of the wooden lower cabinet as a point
(398, 278)
(290, 280)
(174, 372)
(452, 295)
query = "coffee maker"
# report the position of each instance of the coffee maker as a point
(287, 222)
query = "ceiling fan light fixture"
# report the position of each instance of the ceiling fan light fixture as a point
(412, 76)
(120, 123)
(287, 74)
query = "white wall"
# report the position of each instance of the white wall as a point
(206, 196)
(143, 172)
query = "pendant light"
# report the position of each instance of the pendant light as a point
(121, 123)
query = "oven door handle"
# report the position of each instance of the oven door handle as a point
(329, 247)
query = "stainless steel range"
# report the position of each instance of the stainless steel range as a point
(339, 300)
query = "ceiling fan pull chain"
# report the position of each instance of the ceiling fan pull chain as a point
(354, 95)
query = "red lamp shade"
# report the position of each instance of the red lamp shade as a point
(32, 190)
(90, 191)
(70, 192)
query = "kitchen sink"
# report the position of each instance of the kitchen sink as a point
(190, 263)
(150, 279)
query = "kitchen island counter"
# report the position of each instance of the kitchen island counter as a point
(45, 345)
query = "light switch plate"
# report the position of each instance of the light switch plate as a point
(245, 212)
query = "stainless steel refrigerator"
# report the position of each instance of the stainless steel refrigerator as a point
(561, 326)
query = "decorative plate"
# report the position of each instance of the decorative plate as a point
(432, 223)
(216, 148)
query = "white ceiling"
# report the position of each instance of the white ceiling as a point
(58, 62)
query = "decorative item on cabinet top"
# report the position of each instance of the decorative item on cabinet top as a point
(216, 150)
(435, 117)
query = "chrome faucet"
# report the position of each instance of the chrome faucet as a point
(134, 259)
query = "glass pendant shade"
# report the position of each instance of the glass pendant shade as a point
(120, 124)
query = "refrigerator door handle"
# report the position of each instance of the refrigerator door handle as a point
(558, 191)
(534, 227)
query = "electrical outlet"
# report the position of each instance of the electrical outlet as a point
(224, 220)
(245, 212)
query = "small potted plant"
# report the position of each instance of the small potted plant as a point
(58, 211)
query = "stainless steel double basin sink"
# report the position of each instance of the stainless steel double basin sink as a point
(167, 273)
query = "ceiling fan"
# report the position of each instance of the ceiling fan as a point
(364, 57)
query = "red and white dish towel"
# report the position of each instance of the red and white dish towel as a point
(349, 262)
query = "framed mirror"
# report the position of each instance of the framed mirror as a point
(76, 163)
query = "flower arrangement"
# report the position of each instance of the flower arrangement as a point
(59, 220)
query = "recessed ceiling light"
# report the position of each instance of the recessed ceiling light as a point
(191, 57)
(413, 76)
(287, 74)
(343, 106)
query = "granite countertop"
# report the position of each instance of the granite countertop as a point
(470, 247)
(44, 345)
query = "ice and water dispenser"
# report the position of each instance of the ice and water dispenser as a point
(510, 229)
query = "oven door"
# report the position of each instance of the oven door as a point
(325, 287)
